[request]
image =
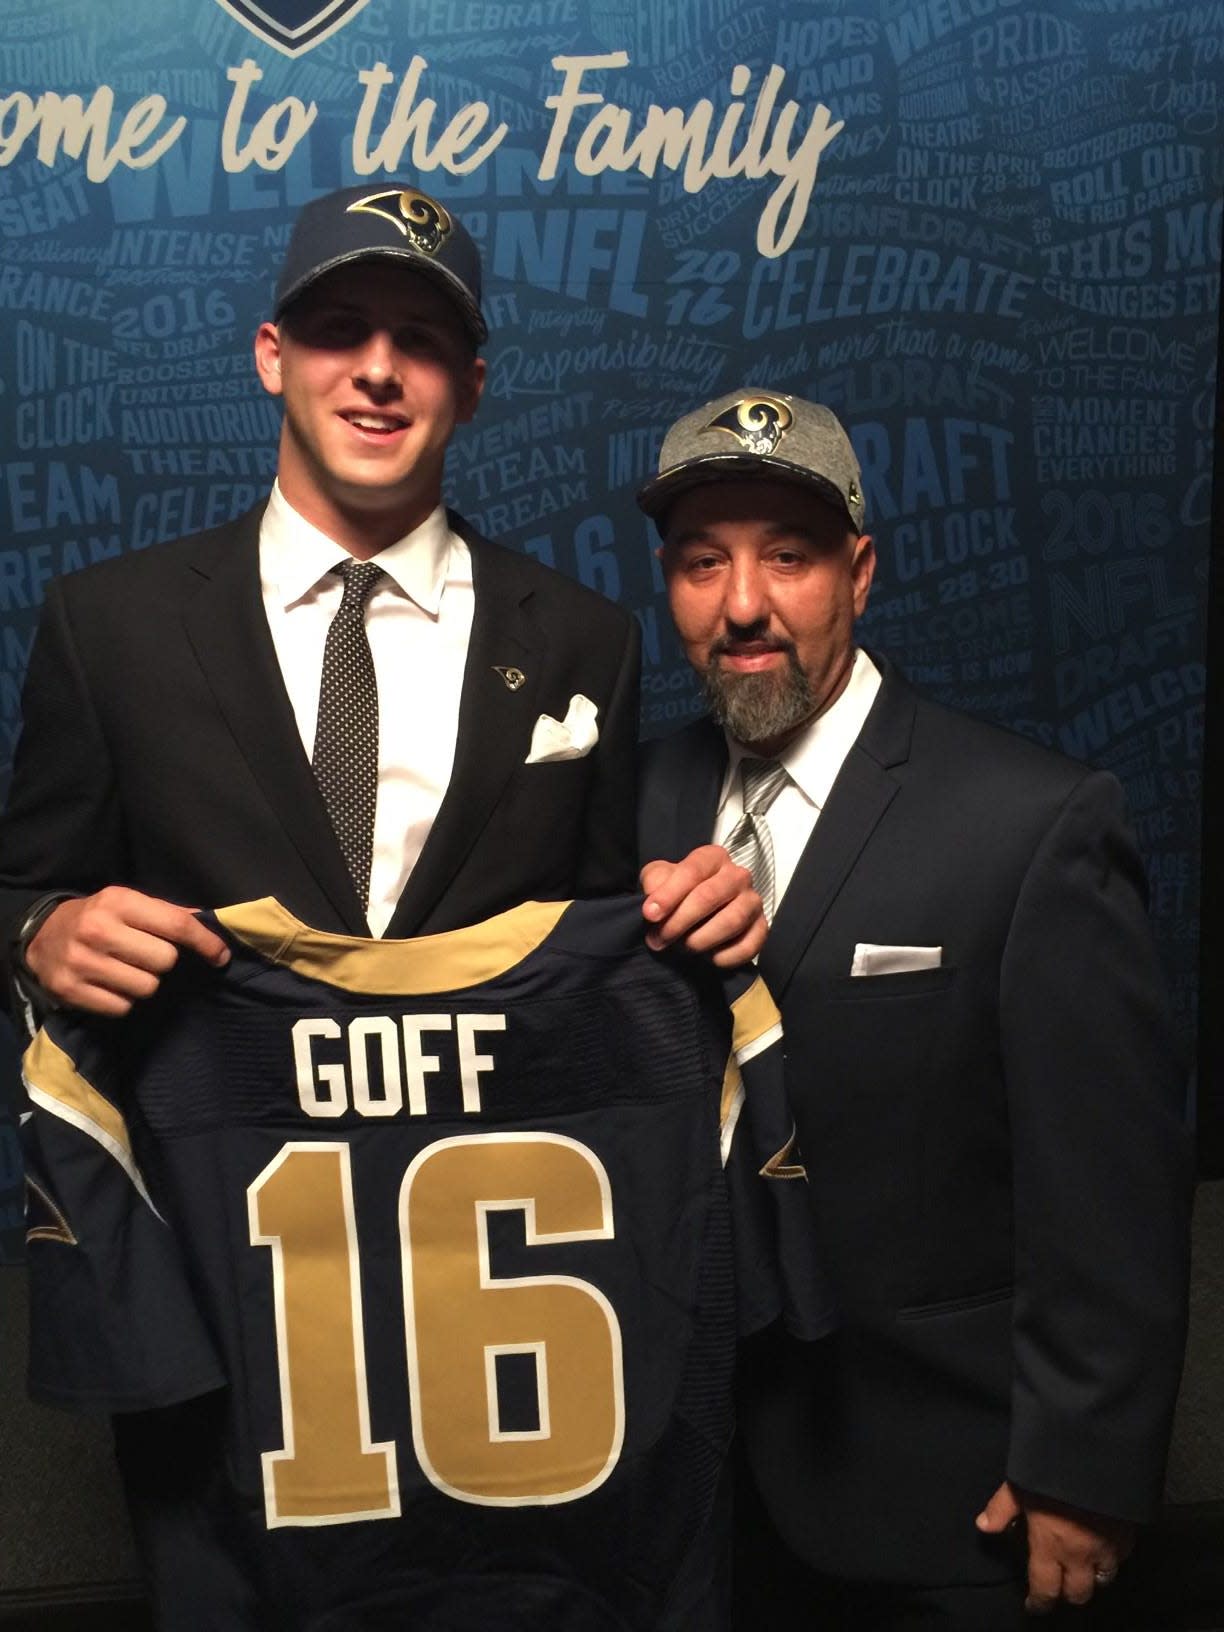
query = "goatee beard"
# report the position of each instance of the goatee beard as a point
(758, 707)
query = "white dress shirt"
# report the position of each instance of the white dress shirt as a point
(813, 760)
(419, 622)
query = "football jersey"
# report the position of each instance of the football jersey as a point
(447, 1220)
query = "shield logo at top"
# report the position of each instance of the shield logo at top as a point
(293, 26)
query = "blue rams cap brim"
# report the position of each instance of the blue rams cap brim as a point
(390, 222)
(656, 496)
(451, 285)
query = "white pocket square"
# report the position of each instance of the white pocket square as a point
(570, 738)
(894, 960)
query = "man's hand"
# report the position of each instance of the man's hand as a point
(104, 952)
(1070, 1552)
(705, 903)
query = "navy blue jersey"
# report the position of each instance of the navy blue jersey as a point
(446, 1219)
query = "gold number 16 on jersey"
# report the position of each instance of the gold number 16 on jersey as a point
(459, 1318)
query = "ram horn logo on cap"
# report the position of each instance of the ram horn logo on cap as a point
(415, 215)
(758, 424)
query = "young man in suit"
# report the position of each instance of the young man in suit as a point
(172, 709)
(985, 1089)
(346, 699)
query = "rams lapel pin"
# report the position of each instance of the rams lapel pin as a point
(514, 678)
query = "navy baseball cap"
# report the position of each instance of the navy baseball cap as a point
(388, 222)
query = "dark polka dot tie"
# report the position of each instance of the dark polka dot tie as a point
(345, 758)
(750, 844)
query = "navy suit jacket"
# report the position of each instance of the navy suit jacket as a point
(998, 1168)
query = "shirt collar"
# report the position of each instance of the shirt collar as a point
(817, 754)
(294, 556)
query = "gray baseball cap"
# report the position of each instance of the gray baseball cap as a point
(755, 432)
(388, 222)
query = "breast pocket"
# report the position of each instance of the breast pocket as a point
(541, 818)
(875, 988)
(886, 1044)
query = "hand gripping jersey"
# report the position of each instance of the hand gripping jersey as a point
(447, 1220)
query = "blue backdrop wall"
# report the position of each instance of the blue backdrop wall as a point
(986, 233)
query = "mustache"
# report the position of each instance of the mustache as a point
(753, 635)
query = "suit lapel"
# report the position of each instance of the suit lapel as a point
(863, 791)
(697, 801)
(228, 631)
(694, 804)
(494, 725)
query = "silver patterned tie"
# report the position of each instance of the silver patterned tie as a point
(345, 758)
(749, 844)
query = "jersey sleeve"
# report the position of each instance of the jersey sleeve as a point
(114, 1324)
(777, 1262)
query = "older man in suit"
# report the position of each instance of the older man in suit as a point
(986, 1094)
(345, 699)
